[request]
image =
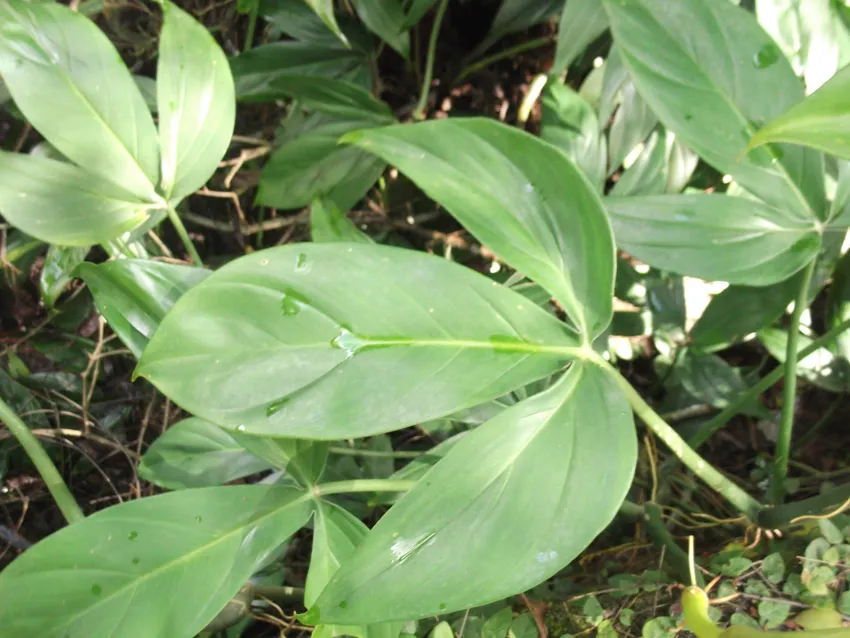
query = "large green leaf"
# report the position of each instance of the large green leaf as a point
(333, 341)
(386, 19)
(714, 237)
(196, 103)
(582, 21)
(133, 295)
(62, 204)
(478, 528)
(70, 83)
(570, 123)
(521, 197)
(821, 121)
(158, 566)
(712, 76)
(196, 453)
(335, 97)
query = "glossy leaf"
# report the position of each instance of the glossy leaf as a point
(633, 122)
(61, 204)
(416, 10)
(158, 566)
(56, 61)
(714, 237)
(821, 121)
(329, 224)
(385, 18)
(311, 163)
(739, 311)
(521, 197)
(325, 10)
(582, 21)
(255, 71)
(822, 368)
(569, 123)
(292, 341)
(133, 295)
(58, 270)
(336, 534)
(302, 459)
(335, 97)
(196, 103)
(196, 453)
(475, 529)
(647, 175)
(712, 76)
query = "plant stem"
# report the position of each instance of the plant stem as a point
(704, 470)
(789, 391)
(364, 485)
(419, 112)
(663, 538)
(723, 417)
(510, 51)
(37, 454)
(379, 454)
(184, 236)
(252, 25)
(816, 506)
(283, 594)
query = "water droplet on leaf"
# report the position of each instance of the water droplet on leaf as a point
(275, 406)
(96, 590)
(766, 56)
(240, 428)
(133, 535)
(301, 263)
(135, 560)
(348, 342)
(199, 518)
(343, 604)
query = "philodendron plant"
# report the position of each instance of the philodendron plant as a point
(281, 351)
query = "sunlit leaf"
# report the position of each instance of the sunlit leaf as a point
(303, 341)
(475, 530)
(158, 566)
(582, 21)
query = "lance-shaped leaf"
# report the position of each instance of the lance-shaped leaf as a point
(306, 340)
(329, 224)
(62, 204)
(158, 566)
(196, 453)
(479, 527)
(714, 237)
(325, 10)
(712, 76)
(582, 21)
(133, 295)
(70, 83)
(520, 196)
(196, 103)
(821, 121)
(385, 18)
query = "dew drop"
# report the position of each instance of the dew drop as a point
(135, 560)
(343, 604)
(199, 519)
(347, 341)
(528, 188)
(133, 535)
(766, 56)
(301, 263)
(442, 606)
(97, 590)
(275, 406)
(240, 428)
(289, 306)
(688, 117)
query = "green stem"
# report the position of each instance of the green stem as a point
(789, 392)
(780, 516)
(724, 416)
(283, 594)
(184, 236)
(699, 466)
(364, 485)
(252, 25)
(379, 454)
(659, 534)
(419, 112)
(37, 454)
(501, 55)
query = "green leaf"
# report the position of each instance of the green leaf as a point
(773, 568)
(385, 18)
(714, 237)
(255, 71)
(647, 174)
(158, 566)
(70, 83)
(582, 21)
(133, 295)
(518, 15)
(821, 121)
(329, 224)
(58, 270)
(739, 311)
(340, 98)
(570, 123)
(633, 122)
(196, 103)
(62, 204)
(325, 10)
(521, 197)
(475, 530)
(196, 453)
(304, 460)
(712, 76)
(416, 10)
(710, 379)
(523, 627)
(821, 367)
(772, 614)
(311, 163)
(449, 339)
(497, 625)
